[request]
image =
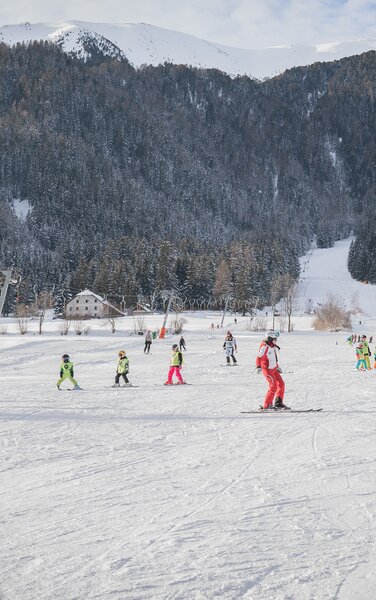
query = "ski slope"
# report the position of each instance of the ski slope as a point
(170, 493)
(324, 272)
(144, 44)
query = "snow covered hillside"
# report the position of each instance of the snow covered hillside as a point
(144, 44)
(324, 272)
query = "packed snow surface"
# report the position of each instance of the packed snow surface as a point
(144, 44)
(156, 492)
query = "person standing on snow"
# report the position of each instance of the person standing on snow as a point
(361, 362)
(267, 363)
(122, 369)
(66, 372)
(148, 341)
(182, 344)
(230, 346)
(176, 364)
(366, 352)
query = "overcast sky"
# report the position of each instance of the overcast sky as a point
(241, 23)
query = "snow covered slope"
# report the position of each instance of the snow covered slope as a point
(324, 271)
(171, 493)
(146, 44)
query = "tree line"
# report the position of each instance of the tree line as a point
(198, 172)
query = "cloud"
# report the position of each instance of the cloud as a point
(242, 23)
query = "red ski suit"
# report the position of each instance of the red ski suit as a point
(267, 360)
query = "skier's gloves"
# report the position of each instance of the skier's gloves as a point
(279, 370)
(258, 369)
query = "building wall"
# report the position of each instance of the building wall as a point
(84, 306)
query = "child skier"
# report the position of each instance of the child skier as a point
(230, 346)
(267, 363)
(175, 366)
(361, 363)
(366, 352)
(122, 370)
(66, 372)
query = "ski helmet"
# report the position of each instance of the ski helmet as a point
(65, 357)
(121, 352)
(271, 335)
(174, 346)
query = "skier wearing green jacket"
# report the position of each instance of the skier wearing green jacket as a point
(66, 372)
(122, 369)
(366, 352)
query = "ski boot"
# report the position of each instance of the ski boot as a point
(58, 387)
(77, 388)
(168, 383)
(279, 405)
(116, 385)
(180, 383)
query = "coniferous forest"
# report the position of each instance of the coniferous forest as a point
(176, 178)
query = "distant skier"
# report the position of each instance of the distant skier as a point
(182, 344)
(176, 364)
(267, 363)
(122, 369)
(230, 346)
(349, 340)
(361, 363)
(148, 341)
(66, 372)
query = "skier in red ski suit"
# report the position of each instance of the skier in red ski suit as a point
(267, 363)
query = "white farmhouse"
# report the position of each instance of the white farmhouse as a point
(88, 304)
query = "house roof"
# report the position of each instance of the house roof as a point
(90, 293)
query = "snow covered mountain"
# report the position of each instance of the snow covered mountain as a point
(145, 44)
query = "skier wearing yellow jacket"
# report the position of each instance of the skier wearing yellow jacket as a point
(366, 352)
(176, 364)
(122, 369)
(66, 372)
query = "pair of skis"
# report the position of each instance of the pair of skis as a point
(275, 411)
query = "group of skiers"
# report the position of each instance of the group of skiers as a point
(353, 339)
(266, 363)
(149, 341)
(363, 354)
(122, 368)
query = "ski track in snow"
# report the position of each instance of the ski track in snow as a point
(171, 493)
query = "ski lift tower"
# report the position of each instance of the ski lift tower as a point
(166, 294)
(4, 287)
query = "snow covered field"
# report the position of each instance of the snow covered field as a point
(170, 493)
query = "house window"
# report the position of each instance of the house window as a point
(95, 300)
(70, 308)
(87, 308)
(86, 301)
(77, 308)
(77, 301)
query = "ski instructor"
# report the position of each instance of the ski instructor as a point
(267, 363)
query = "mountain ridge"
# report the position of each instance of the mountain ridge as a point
(143, 44)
